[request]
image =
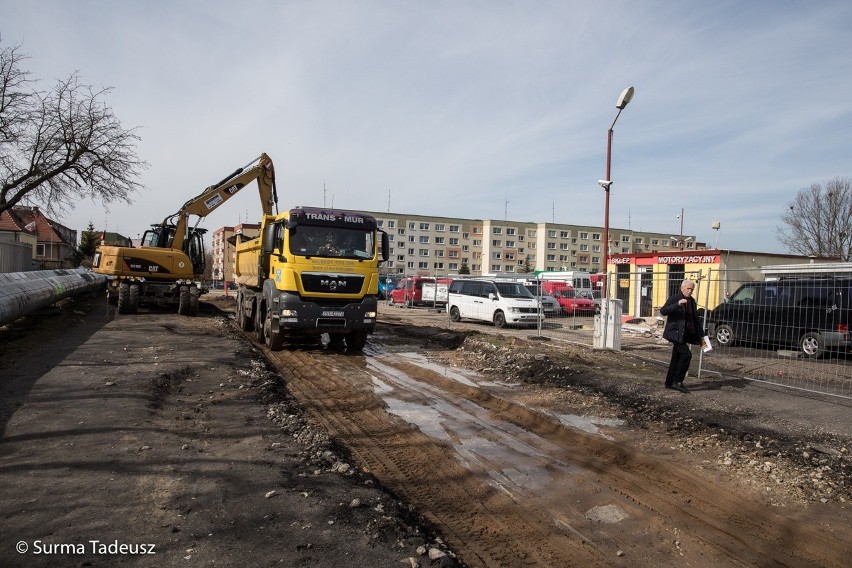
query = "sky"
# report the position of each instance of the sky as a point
(486, 109)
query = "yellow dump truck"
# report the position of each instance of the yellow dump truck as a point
(311, 271)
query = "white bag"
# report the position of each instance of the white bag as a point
(706, 346)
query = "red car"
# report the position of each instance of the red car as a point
(572, 302)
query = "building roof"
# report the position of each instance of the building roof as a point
(10, 220)
(45, 229)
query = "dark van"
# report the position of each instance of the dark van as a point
(811, 314)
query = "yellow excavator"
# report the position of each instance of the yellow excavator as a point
(168, 265)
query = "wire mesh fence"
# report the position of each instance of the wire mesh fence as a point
(787, 331)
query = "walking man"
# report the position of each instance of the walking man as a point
(683, 329)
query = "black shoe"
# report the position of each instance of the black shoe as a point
(680, 387)
(670, 387)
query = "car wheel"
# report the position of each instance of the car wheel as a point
(812, 344)
(499, 319)
(724, 334)
(455, 315)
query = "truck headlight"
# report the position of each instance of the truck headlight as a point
(371, 315)
(289, 313)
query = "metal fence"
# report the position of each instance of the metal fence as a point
(791, 332)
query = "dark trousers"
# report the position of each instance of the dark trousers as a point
(679, 365)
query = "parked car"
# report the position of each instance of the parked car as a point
(811, 314)
(572, 303)
(549, 305)
(502, 303)
(387, 283)
(409, 291)
(595, 296)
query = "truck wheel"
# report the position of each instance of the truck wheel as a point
(134, 298)
(183, 301)
(124, 297)
(499, 319)
(455, 315)
(193, 300)
(812, 344)
(356, 341)
(243, 321)
(273, 339)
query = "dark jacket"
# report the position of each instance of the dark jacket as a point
(676, 326)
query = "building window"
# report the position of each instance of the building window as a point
(423, 265)
(563, 246)
(424, 239)
(465, 235)
(564, 234)
(411, 225)
(551, 258)
(454, 228)
(596, 248)
(411, 238)
(439, 227)
(596, 236)
(453, 266)
(510, 244)
(454, 241)
(496, 255)
(551, 246)
(495, 268)
(424, 252)
(477, 242)
(510, 230)
(551, 234)
(584, 248)
(438, 240)
(424, 226)
(496, 243)
(391, 224)
(584, 236)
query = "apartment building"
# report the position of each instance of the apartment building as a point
(223, 249)
(422, 245)
(427, 245)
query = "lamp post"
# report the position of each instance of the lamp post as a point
(625, 97)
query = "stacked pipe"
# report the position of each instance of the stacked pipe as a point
(22, 293)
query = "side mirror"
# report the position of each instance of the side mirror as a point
(385, 246)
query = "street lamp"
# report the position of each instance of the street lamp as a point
(625, 97)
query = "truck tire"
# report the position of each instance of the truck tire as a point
(356, 340)
(243, 321)
(124, 297)
(274, 340)
(134, 298)
(183, 300)
(194, 295)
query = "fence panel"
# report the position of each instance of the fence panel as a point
(791, 332)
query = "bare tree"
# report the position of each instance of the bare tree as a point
(62, 145)
(818, 221)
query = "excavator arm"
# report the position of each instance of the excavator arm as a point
(260, 169)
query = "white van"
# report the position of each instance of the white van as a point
(503, 303)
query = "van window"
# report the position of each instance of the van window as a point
(513, 290)
(472, 288)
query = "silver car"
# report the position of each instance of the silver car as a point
(549, 305)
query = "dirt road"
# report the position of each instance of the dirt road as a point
(175, 432)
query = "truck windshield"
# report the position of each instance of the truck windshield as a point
(331, 242)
